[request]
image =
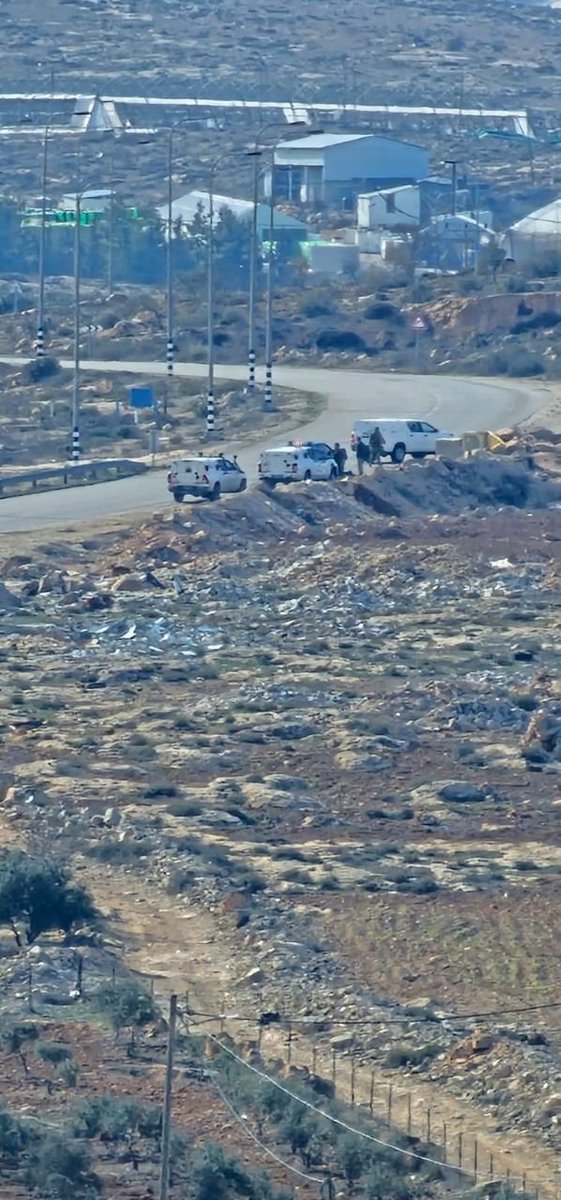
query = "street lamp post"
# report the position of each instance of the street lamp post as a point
(40, 339)
(210, 312)
(169, 266)
(256, 154)
(76, 375)
(210, 409)
(268, 394)
(111, 230)
(253, 276)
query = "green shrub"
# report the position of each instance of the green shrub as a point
(126, 1005)
(184, 808)
(36, 895)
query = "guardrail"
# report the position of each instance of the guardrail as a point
(71, 473)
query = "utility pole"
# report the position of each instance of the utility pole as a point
(40, 341)
(169, 274)
(76, 376)
(166, 1111)
(111, 230)
(268, 396)
(253, 274)
(453, 163)
(210, 312)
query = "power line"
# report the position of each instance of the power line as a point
(344, 1124)
(393, 1020)
(237, 1116)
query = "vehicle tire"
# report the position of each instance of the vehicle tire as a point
(269, 484)
(243, 485)
(215, 493)
(307, 476)
(419, 454)
(398, 453)
(178, 496)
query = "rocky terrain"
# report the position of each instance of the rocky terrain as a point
(304, 750)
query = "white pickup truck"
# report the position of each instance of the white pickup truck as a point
(412, 436)
(296, 462)
(206, 477)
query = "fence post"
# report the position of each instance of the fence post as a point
(222, 1013)
(314, 1059)
(475, 1157)
(491, 1167)
(289, 1044)
(460, 1148)
(390, 1098)
(79, 975)
(371, 1104)
(444, 1141)
(428, 1124)
(333, 1067)
(409, 1113)
(352, 1081)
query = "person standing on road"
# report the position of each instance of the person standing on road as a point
(377, 443)
(362, 455)
(340, 456)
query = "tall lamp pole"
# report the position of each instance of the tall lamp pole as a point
(253, 276)
(210, 311)
(40, 339)
(268, 394)
(256, 155)
(210, 409)
(76, 375)
(111, 231)
(169, 265)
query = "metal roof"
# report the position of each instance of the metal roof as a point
(187, 206)
(320, 141)
(323, 141)
(542, 220)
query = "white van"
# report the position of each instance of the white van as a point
(296, 462)
(206, 477)
(401, 437)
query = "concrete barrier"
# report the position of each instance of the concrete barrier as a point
(450, 447)
(70, 474)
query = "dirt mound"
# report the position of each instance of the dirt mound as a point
(442, 486)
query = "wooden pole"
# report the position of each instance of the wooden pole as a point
(166, 1110)
(371, 1104)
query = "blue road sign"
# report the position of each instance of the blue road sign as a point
(141, 397)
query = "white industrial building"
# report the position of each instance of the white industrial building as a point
(333, 168)
(196, 203)
(398, 207)
(408, 206)
(535, 236)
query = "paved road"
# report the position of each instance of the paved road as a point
(450, 403)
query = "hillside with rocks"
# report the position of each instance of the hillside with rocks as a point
(303, 751)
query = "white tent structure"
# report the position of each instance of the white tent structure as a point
(535, 236)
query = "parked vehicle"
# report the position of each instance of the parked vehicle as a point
(206, 477)
(296, 462)
(415, 437)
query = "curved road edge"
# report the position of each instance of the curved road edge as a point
(452, 402)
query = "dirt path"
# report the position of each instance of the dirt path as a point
(179, 948)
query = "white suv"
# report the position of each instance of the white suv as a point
(206, 477)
